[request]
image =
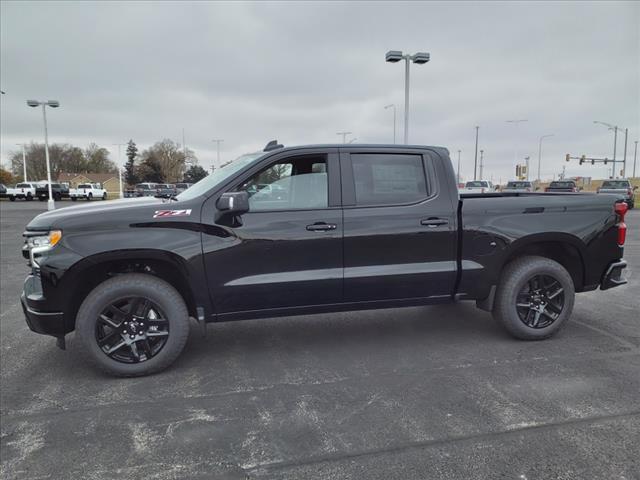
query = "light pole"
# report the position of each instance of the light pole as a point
(635, 155)
(344, 136)
(394, 120)
(393, 56)
(475, 162)
(615, 129)
(53, 104)
(120, 167)
(459, 166)
(516, 123)
(218, 142)
(526, 161)
(540, 152)
(24, 163)
(481, 162)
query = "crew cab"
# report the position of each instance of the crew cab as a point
(25, 190)
(146, 189)
(478, 186)
(88, 191)
(620, 187)
(352, 227)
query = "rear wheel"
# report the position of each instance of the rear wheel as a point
(104, 196)
(13, 199)
(89, 197)
(74, 199)
(132, 325)
(29, 197)
(535, 298)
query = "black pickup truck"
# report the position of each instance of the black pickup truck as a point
(311, 229)
(58, 191)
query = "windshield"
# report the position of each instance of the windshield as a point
(622, 184)
(562, 184)
(477, 184)
(219, 176)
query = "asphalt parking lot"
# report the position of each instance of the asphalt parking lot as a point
(418, 393)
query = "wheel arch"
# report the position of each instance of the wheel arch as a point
(93, 270)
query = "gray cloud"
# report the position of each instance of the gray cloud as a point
(300, 72)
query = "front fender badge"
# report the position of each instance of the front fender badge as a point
(172, 213)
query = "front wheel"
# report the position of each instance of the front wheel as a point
(534, 298)
(29, 197)
(74, 199)
(104, 196)
(132, 325)
(12, 199)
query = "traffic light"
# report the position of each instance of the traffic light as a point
(605, 161)
(593, 161)
(582, 159)
(568, 157)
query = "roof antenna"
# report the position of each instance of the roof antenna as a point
(272, 145)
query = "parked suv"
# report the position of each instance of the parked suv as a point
(145, 189)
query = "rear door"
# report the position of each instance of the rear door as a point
(399, 225)
(287, 250)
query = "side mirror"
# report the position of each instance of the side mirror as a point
(234, 203)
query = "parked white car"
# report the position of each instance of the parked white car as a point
(478, 186)
(88, 191)
(26, 191)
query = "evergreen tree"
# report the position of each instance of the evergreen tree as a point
(130, 175)
(194, 174)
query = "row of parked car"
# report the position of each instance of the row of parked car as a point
(31, 190)
(617, 187)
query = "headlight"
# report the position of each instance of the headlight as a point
(46, 241)
(39, 244)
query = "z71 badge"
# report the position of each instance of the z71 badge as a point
(172, 213)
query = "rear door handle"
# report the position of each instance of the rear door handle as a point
(321, 227)
(434, 222)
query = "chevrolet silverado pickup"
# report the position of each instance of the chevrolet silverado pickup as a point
(341, 227)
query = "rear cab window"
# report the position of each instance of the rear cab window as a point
(388, 179)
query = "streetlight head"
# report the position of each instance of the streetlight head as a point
(33, 103)
(389, 106)
(420, 57)
(53, 103)
(393, 56)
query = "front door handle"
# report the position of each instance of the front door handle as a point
(434, 222)
(321, 227)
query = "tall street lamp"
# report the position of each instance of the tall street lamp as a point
(120, 167)
(393, 105)
(475, 162)
(344, 136)
(540, 152)
(218, 141)
(52, 104)
(24, 162)
(393, 56)
(635, 155)
(459, 166)
(481, 162)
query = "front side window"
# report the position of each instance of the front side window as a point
(292, 184)
(388, 179)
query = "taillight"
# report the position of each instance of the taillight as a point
(629, 192)
(621, 210)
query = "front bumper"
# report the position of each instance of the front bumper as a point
(613, 276)
(38, 318)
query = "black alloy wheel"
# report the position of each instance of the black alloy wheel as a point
(132, 330)
(540, 301)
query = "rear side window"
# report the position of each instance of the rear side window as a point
(388, 179)
(23, 185)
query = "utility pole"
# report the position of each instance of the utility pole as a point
(459, 164)
(344, 136)
(526, 159)
(624, 159)
(635, 155)
(218, 142)
(475, 162)
(540, 152)
(481, 163)
(120, 167)
(615, 143)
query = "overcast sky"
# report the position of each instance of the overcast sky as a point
(300, 72)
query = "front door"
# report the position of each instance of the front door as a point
(399, 226)
(287, 251)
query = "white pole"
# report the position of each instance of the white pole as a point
(459, 165)
(50, 203)
(24, 163)
(394, 123)
(406, 99)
